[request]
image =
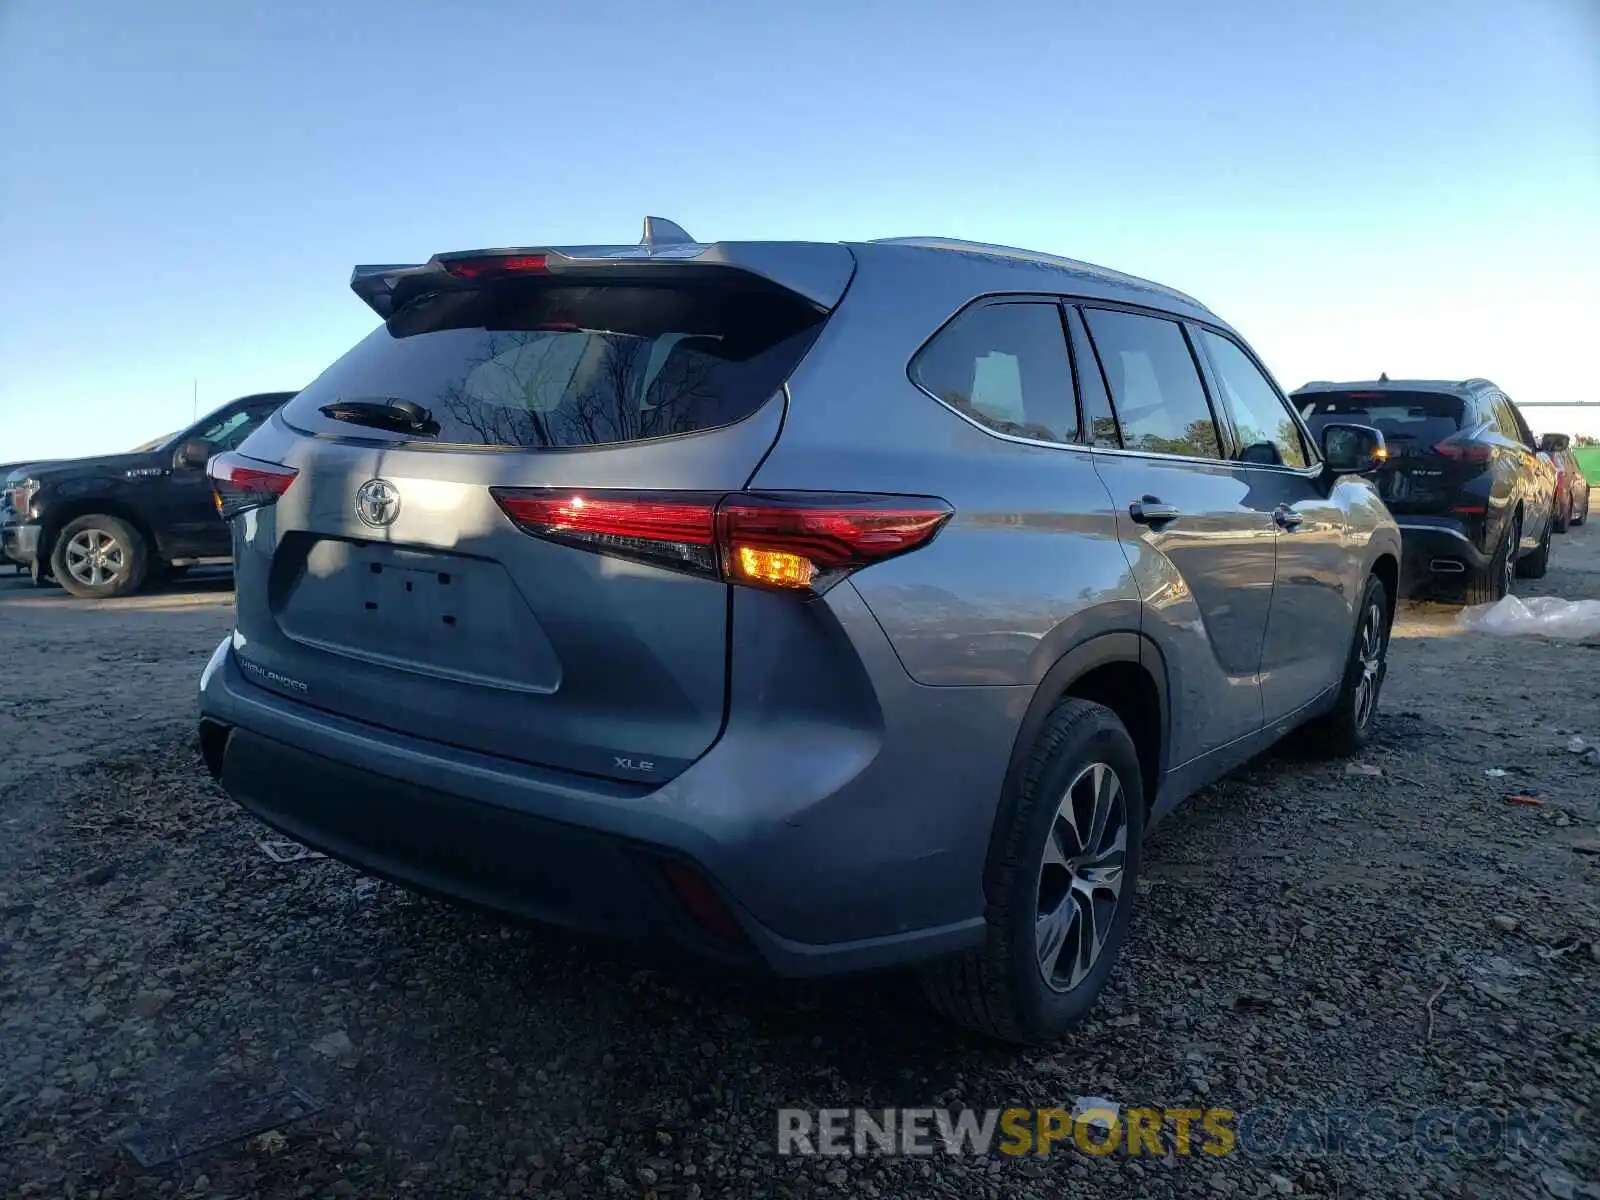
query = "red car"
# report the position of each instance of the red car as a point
(1572, 489)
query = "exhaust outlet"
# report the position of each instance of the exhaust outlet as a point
(1447, 566)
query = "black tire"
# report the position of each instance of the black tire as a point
(1000, 989)
(124, 562)
(1492, 582)
(1346, 728)
(1535, 565)
(1580, 517)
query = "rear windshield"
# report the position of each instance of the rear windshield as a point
(536, 365)
(1403, 417)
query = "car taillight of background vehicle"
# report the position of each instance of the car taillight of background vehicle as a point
(1466, 452)
(239, 483)
(793, 541)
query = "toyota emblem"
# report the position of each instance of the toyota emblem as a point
(377, 503)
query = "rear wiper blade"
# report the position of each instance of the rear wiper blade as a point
(401, 416)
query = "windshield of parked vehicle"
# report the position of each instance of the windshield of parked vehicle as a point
(1407, 420)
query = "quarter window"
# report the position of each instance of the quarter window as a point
(1267, 430)
(1004, 366)
(1160, 401)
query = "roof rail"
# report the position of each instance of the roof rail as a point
(1108, 274)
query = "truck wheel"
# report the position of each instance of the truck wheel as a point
(1060, 884)
(1563, 518)
(99, 557)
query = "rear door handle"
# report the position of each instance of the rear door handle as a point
(1151, 511)
(1287, 518)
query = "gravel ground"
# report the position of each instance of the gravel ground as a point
(1307, 937)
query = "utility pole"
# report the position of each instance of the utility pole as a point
(194, 401)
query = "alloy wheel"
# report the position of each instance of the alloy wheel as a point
(95, 558)
(1080, 877)
(1369, 650)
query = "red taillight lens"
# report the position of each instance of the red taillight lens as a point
(496, 264)
(1472, 452)
(239, 483)
(670, 530)
(811, 541)
(788, 541)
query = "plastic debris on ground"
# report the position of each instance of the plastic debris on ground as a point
(281, 850)
(1576, 744)
(1527, 798)
(1496, 772)
(1547, 616)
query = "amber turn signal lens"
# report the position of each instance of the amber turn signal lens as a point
(775, 568)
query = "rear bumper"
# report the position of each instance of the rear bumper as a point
(19, 543)
(1437, 550)
(566, 849)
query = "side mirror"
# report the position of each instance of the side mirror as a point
(195, 452)
(1353, 449)
(1555, 443)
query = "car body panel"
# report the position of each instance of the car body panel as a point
(833, 764)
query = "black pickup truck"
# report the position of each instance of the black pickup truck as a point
(103, 527)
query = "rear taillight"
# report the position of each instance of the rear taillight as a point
(239, 483)
(1467, 452)
(792, 541)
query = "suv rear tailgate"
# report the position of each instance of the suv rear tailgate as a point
(417, 605)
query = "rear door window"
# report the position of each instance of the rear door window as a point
(546, 364)
(1160, 401)
(1004, 365)
(1266, 429)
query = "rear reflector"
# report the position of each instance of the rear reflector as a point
(488, 266)
(793, 541)
(701, 900)
(239, 483)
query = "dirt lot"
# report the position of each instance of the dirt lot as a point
(1307, 938)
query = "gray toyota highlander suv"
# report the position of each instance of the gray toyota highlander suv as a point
(825, 607)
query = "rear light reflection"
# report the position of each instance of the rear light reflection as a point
(792, 541)
(239, 483)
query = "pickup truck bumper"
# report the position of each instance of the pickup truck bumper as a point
(19, 543)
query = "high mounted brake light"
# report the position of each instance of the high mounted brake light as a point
(790, 541)
(239, 483)
(490, 266)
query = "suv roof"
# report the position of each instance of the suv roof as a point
(818, 271)
(1454, 387)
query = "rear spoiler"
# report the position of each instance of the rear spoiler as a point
(819, 272)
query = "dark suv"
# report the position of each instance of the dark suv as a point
(827, 606)
(102, 527)
(1463, 477)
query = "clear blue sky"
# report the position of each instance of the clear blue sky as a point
(1400, 185)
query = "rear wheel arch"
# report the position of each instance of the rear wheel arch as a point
(1122, 671)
